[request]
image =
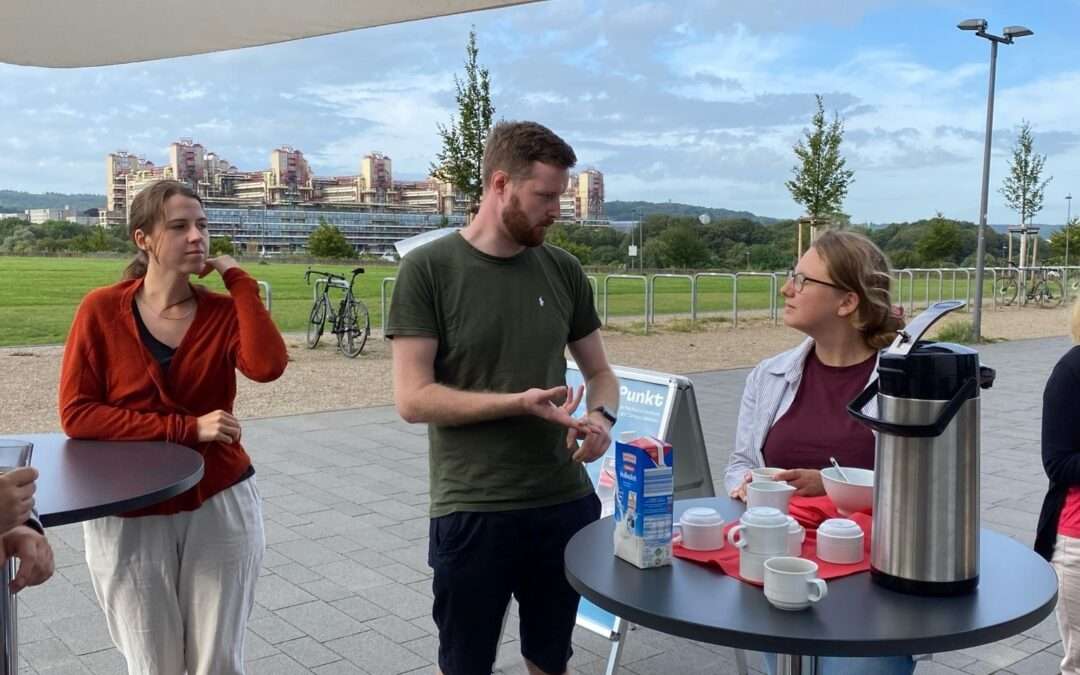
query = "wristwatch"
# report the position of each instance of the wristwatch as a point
(607, 415)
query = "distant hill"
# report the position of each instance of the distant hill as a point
(12, 201)
(619, 210)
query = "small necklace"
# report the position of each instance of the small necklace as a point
(161, 314)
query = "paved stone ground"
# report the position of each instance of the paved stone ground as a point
(346, 589)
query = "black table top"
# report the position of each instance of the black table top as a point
(83, 480)
(1017, 589)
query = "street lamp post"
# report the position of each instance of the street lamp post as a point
(641, 241)
(1007, 37)
(1068, 226)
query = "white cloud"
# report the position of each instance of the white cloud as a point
(537, 97)
(401, 114)
(189, 93)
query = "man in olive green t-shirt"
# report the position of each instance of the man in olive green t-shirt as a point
(481, 320)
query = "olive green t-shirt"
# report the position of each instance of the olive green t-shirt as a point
(502, 325)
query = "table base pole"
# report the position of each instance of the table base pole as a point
(9, 620)
(794, 664)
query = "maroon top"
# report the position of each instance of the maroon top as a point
(817, 425)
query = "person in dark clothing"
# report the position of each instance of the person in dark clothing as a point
(1058, 535)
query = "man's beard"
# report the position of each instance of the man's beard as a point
(517, 224)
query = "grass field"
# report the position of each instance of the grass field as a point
(38, 296)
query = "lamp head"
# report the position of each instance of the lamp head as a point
(1013, 32)
(972, 24)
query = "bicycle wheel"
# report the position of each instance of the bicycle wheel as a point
(355, 327)
(316, 323)
(1053, 293)
(1006, 291)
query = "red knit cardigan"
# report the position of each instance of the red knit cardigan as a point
(112, 388)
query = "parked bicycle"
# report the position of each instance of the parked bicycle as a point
(1043, 286)
(351, 323)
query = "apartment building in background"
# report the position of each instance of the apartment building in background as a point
(275, 209)
(583, 199)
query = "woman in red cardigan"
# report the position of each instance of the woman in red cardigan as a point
(155, 358)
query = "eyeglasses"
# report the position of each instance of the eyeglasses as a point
(798, 281)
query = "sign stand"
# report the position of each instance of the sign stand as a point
(650, 404)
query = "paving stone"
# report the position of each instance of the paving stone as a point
(273, 592)
(309, 652)
(274, 629)
(360, 609)
(352, 576)
(396, 628)
(341, 668)
(377, 654)
(106, 662)
(279, 664)
(256, 648)
(321, 621)
(1037, 664)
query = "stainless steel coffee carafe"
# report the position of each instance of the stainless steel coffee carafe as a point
(925, 537)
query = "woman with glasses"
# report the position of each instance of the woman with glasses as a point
(793, 413)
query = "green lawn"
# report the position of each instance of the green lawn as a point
(38, 296)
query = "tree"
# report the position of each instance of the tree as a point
(326, 241)
(1021, 188)
(222, 246)
(940, 242)
(460, 161)
(95, 241)
(821, 182)
(1057, 241)
(557, 236)
(683, 247)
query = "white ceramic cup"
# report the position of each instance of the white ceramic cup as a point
(772, 493)
(700, 529)
(764, 474)
(840, 541)
(792, 584)
(752, 565)
(796, 537)
(761, 530)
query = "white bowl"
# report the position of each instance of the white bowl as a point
(701, 529)
(854, 494)
(840, 541)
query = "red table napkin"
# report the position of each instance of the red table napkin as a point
(809, 512)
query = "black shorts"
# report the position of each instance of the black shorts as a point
(480, 559)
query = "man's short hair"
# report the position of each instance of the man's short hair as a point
(514, 146)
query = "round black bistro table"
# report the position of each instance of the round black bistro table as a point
(1017, 589)
(83, 480)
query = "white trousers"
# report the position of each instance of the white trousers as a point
(177, 590)
(1066, 563)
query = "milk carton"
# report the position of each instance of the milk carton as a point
(643, 500)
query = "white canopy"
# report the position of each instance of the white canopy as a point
(76, 33)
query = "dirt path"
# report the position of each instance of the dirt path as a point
(321, 379)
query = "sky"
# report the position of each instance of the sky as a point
(693, 101)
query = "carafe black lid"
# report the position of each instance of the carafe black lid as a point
(932, 371)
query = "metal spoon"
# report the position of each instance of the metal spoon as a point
(836, 465)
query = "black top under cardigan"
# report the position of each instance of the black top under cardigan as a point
(1060, 445)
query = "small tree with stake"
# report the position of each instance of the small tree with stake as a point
(1022, 188)
(461, 158)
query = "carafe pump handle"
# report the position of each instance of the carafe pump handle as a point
(936, 428)
(907, 337)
